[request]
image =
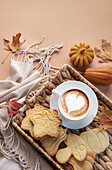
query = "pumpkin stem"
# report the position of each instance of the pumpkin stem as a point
(81, 72)
(82, 50)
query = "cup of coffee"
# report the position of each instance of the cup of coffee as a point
(73, 103)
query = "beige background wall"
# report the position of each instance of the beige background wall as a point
(61, 21)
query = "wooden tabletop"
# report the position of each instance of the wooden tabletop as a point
(62, 22)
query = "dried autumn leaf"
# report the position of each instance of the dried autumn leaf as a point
(104, 119)
(106, 53)
(16, 44)
(13, 106)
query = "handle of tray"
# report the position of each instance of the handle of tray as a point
(33, 86)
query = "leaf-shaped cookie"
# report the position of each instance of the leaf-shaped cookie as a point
(106, 137)
(101, 138)
(93, 141)
(46, 122)
(26, 123)
(83, 136)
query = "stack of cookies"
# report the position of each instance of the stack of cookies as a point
(78, 150)
(81, 149)
(44, 125)
(41, 121)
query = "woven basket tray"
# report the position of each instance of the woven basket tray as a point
(42, 97)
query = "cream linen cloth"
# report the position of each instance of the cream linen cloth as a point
(13, 145)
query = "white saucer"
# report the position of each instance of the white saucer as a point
(76, 124)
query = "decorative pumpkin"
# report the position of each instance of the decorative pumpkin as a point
(100, 75)
(81, 54)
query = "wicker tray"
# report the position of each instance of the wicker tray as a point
(42, 97)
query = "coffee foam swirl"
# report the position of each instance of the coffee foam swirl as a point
(74, 103)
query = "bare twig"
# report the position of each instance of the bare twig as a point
(6, 57)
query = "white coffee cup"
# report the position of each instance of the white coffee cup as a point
(74, 100)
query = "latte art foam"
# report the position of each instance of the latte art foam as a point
(74, 103)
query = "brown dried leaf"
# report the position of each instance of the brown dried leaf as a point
(104, 119)
(15, 45)
(106, 53)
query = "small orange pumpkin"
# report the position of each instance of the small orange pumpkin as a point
(81, 54)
